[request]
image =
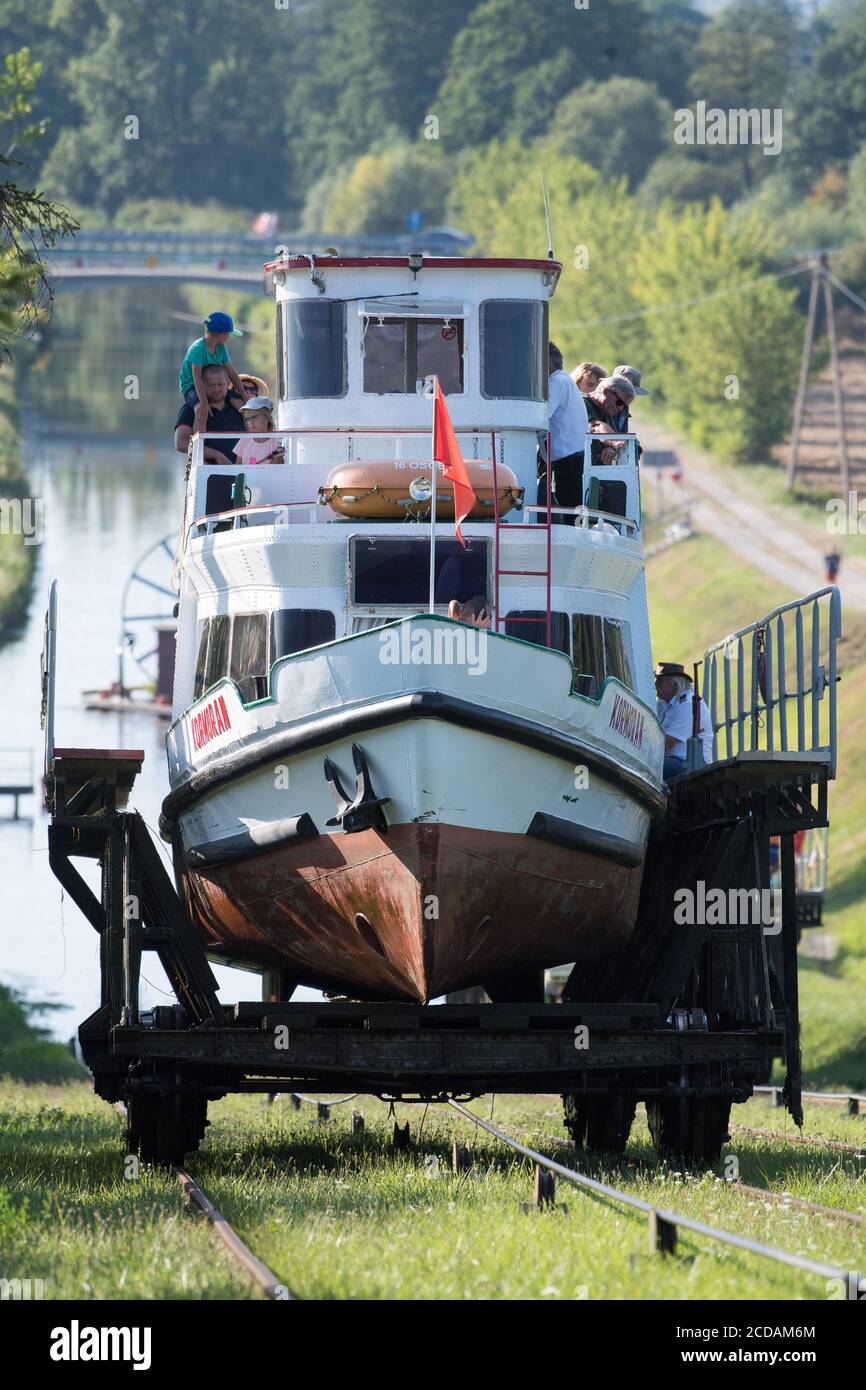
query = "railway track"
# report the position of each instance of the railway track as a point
(663, 1224)
(781, 1198)
(262, 1277)
(810, 1140)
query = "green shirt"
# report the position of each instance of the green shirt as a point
(199, 353)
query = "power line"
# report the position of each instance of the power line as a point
(742, 288)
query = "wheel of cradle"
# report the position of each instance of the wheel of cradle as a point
(164, 1127)
(689, 1128)
(599, 1122)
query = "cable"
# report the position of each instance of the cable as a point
(700, 299)
(855, 298)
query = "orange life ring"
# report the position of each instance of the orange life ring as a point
(378, 489)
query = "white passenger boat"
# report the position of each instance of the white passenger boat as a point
(366, 795)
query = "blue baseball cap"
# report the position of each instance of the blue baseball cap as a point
(222, 323)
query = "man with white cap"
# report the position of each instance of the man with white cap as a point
(675, 709)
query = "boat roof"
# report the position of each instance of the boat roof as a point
(300, 262)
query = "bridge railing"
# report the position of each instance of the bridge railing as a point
(766, 684)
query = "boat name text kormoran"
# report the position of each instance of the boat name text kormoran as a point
(628, 721)
(210, 722)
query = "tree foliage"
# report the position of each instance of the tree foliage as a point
(619, 127)
(29, 222)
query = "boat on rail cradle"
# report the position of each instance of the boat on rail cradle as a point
(367, 795)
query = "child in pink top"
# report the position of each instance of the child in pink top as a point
(258, 416)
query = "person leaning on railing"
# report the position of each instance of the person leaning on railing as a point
(605, 407)
(224, 418)
(675, 709)
(568, 427)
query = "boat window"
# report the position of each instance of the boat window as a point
(616, 661)
(248, 665)
(513, 349)
(599, 651)
(401, 353)
(298, 629)
(201, 636)
(398, 571)
(218, 650)
(531, 626)
(313, 349)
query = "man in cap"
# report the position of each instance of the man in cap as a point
(675, 710)
(621, 424)
(568, 427)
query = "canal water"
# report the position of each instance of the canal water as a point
(110, 485)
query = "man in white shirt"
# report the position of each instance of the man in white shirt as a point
(568, 427)
(676, 716)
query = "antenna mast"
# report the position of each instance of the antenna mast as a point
(545, 198)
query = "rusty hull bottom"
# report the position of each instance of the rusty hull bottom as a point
(413, 914)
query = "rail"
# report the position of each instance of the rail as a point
(663, 1223)
(756, 677)
(263, 1277)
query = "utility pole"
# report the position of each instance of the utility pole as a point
(838, 400)
(819, 276)
(794, 455)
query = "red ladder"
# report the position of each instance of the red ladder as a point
(499, 525)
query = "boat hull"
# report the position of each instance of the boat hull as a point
(415, 912)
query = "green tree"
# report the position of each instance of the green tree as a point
(831, 98)
(382, 66)
(619, 127)
(379, 189)
(714, 318)
(491, 86)
(28, 221)
(165, 113)
(745, 59)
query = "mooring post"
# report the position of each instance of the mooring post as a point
(545, 1187)
(357, 1122)
(662, 1234)
(323, 1112)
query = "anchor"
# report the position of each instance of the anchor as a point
(364, 812)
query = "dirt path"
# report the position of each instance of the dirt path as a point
(764, 533)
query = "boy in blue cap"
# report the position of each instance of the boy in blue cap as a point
(207, 351)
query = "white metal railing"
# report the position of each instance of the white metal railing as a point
(765, 684)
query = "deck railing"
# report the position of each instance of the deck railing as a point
(765, 685)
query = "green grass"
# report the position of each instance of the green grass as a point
(697, 593)
(337, 1216)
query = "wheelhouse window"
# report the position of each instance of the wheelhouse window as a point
(531, 626)
(298, 629)
(513, 349)
(402, 350)
(244, 646)
(311, 349)
(390, 572)
(599, 651)
(248, 664)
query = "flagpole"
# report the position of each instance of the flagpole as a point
(433, 503)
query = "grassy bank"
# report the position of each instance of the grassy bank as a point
(342, 1216)
(697, 593)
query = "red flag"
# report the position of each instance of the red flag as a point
(446, 451)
